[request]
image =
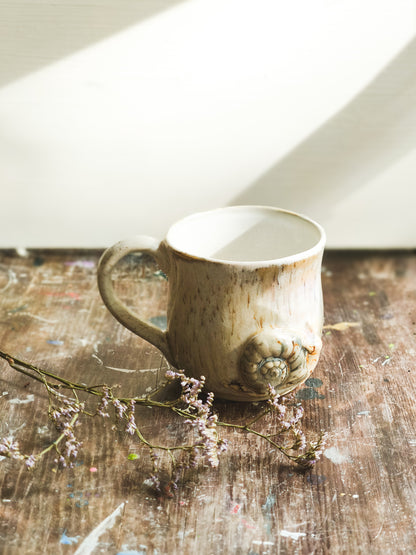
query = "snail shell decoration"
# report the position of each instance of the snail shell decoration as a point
(276, 357)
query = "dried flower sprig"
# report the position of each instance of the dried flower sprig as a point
(193, 405)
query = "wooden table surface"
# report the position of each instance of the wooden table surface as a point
(360, 497)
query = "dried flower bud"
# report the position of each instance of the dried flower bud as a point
(10, 448)
(30, 462)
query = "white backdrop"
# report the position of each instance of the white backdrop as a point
(118, 117)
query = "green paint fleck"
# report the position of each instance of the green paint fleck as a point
(161, 274)
(314, 382)
(328, 333)
(372, 293)
(391, 346)
(132, 456)
(308, 393)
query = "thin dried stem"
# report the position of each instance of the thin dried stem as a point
(197, 414)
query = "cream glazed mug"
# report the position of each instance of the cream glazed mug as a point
(244, 298)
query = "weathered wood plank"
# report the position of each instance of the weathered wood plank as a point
(359, 499)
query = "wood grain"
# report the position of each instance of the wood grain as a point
(360, 498)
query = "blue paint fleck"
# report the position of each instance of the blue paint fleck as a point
(316, 479)
(38, 261)
(67, 540)
(270, 503)
(267, 510)
(160, 321)
(54, 342)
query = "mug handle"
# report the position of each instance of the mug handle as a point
(106, 265)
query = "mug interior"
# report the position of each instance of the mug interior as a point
(246, 234)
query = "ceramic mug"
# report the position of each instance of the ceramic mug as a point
(244, 298)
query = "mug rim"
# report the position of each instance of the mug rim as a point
(296, 257)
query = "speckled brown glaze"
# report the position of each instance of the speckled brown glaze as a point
(241, 325)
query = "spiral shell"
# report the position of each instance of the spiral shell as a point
(276, 357)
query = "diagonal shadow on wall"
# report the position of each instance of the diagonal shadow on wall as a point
(36, 33)
(377, 128)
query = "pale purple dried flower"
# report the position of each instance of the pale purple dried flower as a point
(276, 402)
(131, 426)
(298, 415)
(10, 448)
(101, 409)
(300, 440)
(222, 445)
(320, 446)
(171, 375)
(131, 422)
(30, 461)
(194, 456)
(310, 458)
(61, 460)
(119, 407)
(154, 482)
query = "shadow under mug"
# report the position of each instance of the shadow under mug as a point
(244, 298)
